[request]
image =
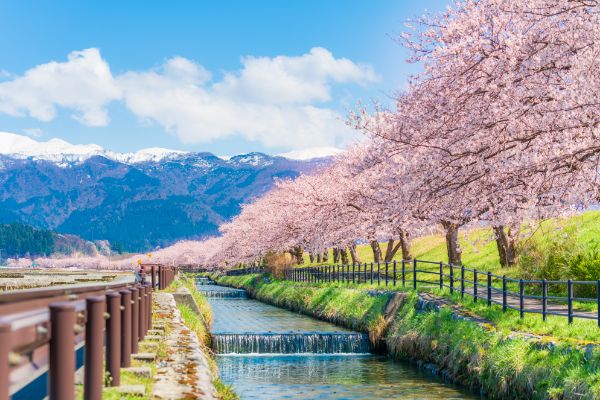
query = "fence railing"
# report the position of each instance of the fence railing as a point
(50, 329)
(566, 298)
(245, 271)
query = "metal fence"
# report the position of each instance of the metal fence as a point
(566, 298)
(245, 271)
(52, 328)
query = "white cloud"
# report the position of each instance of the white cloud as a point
(282, 101)
(84, 83)
(271, 100)
(33, 132)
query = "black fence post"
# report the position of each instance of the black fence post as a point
(598, 299)
(403, 273)
(371, 273)
(489, 288)
(378, 273)
(394, 273)
(521, 301)
(386, 273)
(544, 299)
(504, 305)
(451, 278)
(462, 281)
(353, 272)
(570, 300)
(441, 275)
(415, 273)
(475, 285)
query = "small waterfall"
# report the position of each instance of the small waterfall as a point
(204, 280)
(291, 343)
(220, 292)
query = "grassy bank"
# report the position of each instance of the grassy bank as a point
(479, 355)
(200, 324)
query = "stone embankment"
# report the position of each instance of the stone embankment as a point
(184, 371)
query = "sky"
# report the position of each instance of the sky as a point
(227, 77)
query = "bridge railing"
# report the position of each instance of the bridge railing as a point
(566, 298)
(61, 328)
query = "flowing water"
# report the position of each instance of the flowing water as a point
(267, 353)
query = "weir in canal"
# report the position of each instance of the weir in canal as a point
(266, 352)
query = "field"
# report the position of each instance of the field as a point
(14, 279)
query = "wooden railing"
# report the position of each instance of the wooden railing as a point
(48, 329)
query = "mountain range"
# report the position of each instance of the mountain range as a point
(136, 201)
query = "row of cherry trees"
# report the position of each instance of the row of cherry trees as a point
(502, 126)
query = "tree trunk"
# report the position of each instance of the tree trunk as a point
(344, 255)
(404, 239)
(311, 257)
(336, 255)
(325, 256)
(507, 244)
(354, 254)
(454, 251)
(318, 257)
(299, 254)
(376, 251)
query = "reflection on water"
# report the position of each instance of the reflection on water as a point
(252, 316)
(336, 377)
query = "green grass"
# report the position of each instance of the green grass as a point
(479, 249)
(477, 355)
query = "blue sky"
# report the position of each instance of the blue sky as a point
(226, 77)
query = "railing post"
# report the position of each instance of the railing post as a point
(504, 304)
(570, 300)
(353, 272)
(544, 299)
(378, 274)
(415, 273)
(521, 300)
(462, 281)
(113, 339)
(441, 275)
(62, 351)
(135, 316)
(94, 341)
(475, 285)
(403, 273)
(5, 330)
(394, 273)
(153, 272)
(371, 273)
(489, 288)
(126, 328)
(149, 309)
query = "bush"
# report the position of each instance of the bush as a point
(276, 263)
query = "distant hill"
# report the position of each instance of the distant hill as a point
(136, 201)
(19, 240)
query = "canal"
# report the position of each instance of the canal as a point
(266, 353)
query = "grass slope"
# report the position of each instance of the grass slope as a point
(479, 249)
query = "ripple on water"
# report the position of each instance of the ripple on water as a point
(332, 377)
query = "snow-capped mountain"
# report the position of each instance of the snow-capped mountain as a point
(62, 152)
(135, 200)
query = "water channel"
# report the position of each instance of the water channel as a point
(267, 353)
